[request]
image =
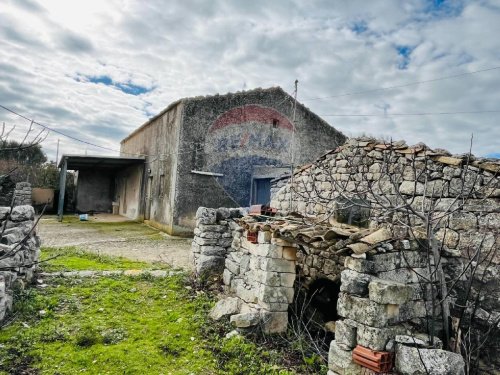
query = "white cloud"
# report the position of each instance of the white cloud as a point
(52, 50)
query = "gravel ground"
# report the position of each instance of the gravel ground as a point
(171, 250)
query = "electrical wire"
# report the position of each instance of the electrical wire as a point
(50, 129)
(403, 85)
(409, 114)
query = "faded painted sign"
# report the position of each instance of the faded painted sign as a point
(242, 138)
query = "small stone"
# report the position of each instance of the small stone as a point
(245, 320)
(224, 307)
(414, 361)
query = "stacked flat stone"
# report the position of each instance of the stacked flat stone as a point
(19, 252)
(261, 276)
(382, 297)
(22, 194)
(212, 239)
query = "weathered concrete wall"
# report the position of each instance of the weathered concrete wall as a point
(94, 190)
(19, 253)
(158, 141)
(128, 191)
(235, 133)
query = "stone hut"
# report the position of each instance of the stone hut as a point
(385, 232)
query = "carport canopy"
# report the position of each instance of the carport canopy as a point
(78, 162)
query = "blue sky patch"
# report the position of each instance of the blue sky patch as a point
(494, 155)
(359, 27)
(404, 53)
(126, 87)
(443, 8)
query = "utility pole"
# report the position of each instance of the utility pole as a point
(57, 151)
(292, 145)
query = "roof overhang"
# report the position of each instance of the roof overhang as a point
(78, 162)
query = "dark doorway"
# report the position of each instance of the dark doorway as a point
(261, 192)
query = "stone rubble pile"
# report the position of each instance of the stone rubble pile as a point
(19, 252)
(212, 239)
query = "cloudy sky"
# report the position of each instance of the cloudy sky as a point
(98, 69)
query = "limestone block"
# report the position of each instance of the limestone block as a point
(360, 265)
(211, 228)
(413, 259)
(287, 279)
(482, 205)
(232, 266)
(490, 221)
(209, 265)
(264, 237)
(377, 338)
(290, 253)
(206, 215)
(274, 322)
(275, 294)
(274, 306)
(448, 237)
(213, 250)
(355, 283)
(246, 294)
(244, 263)
(223, 213)
(282, 242)
(245, 320)
(404, 275)
(278, 265)
(340, 361)
(227, 276)
(463, 221)
(22, 213)
(415, 361)
(225, 307)
(411, 310)
(205, 241)
(267, 278)
(365, 311)
(4, 211)
(224, 242)
(208, 235)
(389, 292)
(345, 334)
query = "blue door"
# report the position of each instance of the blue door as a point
(262, 191)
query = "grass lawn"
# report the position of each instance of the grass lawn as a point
(74, 259)
(123, 325)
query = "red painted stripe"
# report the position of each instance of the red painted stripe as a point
(250, 113)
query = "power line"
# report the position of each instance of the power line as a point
(403, 85)
(50, 129)
(409, 114)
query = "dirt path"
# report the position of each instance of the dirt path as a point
(119, 238)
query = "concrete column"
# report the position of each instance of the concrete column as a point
(62, 188)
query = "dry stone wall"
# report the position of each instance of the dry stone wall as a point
(261, 274)
(213, 238)
(22, 194)
(19, 252)
(364, 182)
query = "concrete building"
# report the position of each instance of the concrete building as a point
(214, 151)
